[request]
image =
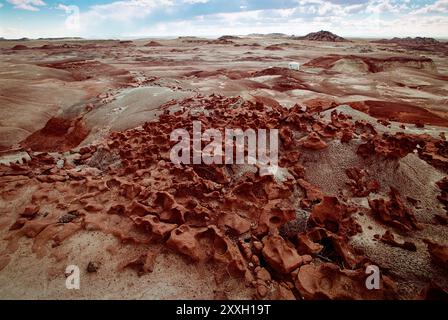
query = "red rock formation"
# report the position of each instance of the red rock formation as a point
(313, 142)
(327, 281)
(360, 185)
(390, 146)
(57, 135)
(389, 238)
(306, 246)
(433, 291)
(279, 255)
(334, 216)
(142, 264)
(154, 225)
(434, 151)
(335, 247)
(439, 253)
(394, 212)
(127, 186)
(401, 112)
(443, 197)
(312, 193)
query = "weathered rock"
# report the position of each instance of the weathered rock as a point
(280, 256)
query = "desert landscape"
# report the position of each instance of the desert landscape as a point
(86, 177)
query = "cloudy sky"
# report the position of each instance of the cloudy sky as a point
(146, 18)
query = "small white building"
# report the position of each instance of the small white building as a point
(294, 66)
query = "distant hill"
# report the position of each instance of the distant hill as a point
(19, 39)
(410, 41)
(418, 44)
(268, 35)
(321, 36)
(227, 37)
(61, 38)
(277, 34)
(42, 39)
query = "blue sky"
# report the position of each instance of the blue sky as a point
(152, 18)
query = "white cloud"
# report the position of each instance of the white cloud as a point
(285, 13)
(1, 5)
(440, 6)
(195, 1)
(242, 16)
(288, 21)
(63, 7)
(122, 11)
(355, 8)
(30, 5)
(306, 2)
(382, 6)
(324, 8)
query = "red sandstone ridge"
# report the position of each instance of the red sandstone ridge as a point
(57, 135)
(352, 63)
(398, 111)
(322, 36)
(82, 69)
